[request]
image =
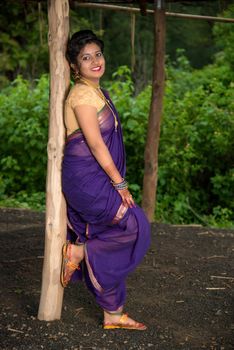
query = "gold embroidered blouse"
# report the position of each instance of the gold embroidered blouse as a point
(80, 94)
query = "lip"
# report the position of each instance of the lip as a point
(96, 69)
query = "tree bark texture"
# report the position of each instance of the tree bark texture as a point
(55, 235)
(153, 132)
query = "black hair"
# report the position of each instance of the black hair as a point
(78, 42)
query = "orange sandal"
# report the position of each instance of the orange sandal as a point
(123, 325)
(66, 263)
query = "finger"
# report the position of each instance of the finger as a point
(126, 198)
(133, 202)
(129, 201)
(124, 201)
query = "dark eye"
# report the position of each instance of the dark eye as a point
(85, 58)
(99, 54)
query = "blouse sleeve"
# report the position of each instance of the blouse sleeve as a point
(82, 95)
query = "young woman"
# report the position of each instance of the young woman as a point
(105, 227)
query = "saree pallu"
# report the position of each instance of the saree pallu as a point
(116, 238)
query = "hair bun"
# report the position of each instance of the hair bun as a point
(84, 35)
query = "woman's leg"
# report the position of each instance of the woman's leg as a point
(74, 255)
(77, 252)
(110, 257)
(108, 300)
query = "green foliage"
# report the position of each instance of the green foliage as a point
(224, 35)
(24, 200)
(23, 133)
(133, 112)
(195, 178)
(23, 37)
(196, 175)
(197, 137)
(195, 157)
(24, 32)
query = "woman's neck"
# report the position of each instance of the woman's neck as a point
(90, 82)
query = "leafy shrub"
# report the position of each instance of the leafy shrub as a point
(195, 155)
(23, 133)
(197, 136)
(133, 113)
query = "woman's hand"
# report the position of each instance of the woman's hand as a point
(126, 198)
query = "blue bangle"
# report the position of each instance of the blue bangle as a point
(121, 185)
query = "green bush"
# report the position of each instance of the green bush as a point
(23, 133)
(133, 113)
(197, 137)
(195, 178)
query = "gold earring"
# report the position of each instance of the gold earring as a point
(76, 75)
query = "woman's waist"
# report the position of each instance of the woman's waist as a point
(80, 165)
(88, 180)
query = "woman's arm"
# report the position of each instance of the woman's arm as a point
(88, 122)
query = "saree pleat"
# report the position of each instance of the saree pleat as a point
(115, 238)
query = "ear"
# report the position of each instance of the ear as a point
(73, 67)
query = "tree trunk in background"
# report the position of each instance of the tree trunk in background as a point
(153, 132)
(52, 292)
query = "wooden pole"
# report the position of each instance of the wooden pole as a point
(153, 131)
(149, 11)
(133, 29)
(52, 292)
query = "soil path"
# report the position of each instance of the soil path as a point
(183, 291)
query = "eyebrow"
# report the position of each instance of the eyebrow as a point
(85, 54)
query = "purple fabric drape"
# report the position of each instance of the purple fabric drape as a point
(115, 238)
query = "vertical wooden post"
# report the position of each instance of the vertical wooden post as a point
(133, 29)
(153, 132)
(52, 292)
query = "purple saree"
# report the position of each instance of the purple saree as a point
(115, 238)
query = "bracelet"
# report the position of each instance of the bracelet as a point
(121, 185)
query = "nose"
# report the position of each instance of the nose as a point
(94, 59)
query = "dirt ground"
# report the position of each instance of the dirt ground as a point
(183, 291)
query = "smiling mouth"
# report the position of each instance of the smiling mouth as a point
(96, 69)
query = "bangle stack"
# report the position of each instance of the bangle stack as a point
(121, 185)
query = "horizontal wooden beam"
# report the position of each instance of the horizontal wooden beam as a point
(204, 18)
(137, 10)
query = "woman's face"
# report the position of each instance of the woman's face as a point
(91, 62)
